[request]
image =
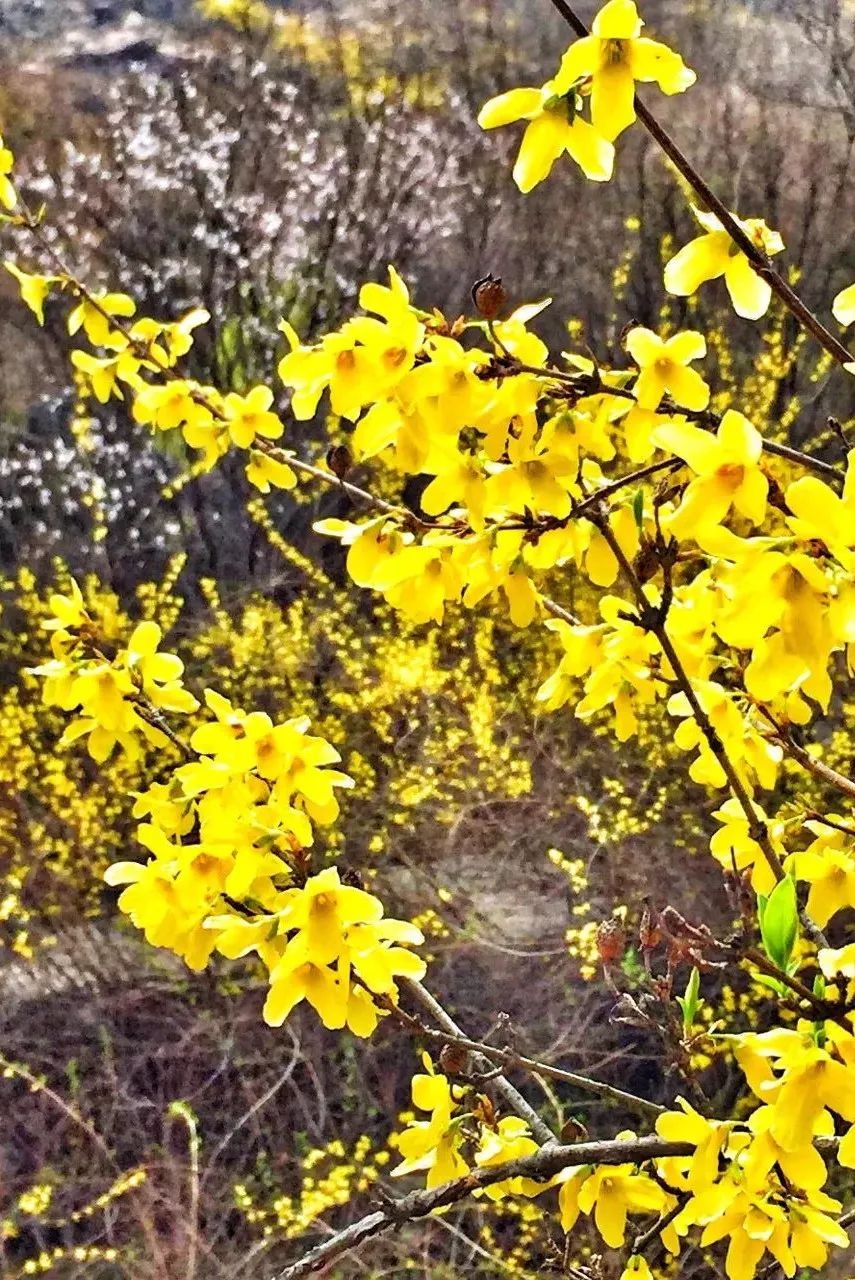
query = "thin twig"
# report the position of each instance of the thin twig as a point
(510, 1059)
(819, 770)
(540, 1130)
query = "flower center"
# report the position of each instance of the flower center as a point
(732, 473)
(614, 52)
(394, 356)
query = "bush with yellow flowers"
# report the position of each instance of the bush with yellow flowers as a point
(714, 563)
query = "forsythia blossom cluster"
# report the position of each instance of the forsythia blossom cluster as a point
(601, 68)
(758, 1183)
(229, 832)
(133, 359)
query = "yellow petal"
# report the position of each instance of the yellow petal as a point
(610, 1214)
(613, 99)
(651, 60)
(687, 387)
(516, 104)
(704, 258)
(750, 497)
(644, 346)
(686, 346)
(649, 387)
(594, 155)
(617, 20)
(542, 144)
(600, 563)
(739, 438)
(581, 59)
(698, 448)
(750, 295)
(843, 307)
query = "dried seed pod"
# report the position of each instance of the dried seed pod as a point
(485, 1112)
(611, 941)
(454, 1060)
(649, 932)
(489, 296)
(573, 1131)
(339, 460)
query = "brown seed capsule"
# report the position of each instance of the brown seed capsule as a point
(649, 933)
(611, 941)
(485, 1112)
(646, 563)
(489, 296)
(339, 460)
(454, 1060)
(573, 1131)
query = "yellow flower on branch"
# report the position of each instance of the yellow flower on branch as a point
(714, 254)
(105, 374)
(610, 1192)
(709, 1137)
(727, 473)
(613, 58)
(360, 363)
(297, 977)
(819, 514)
(159, 674)
(828, 865)
(94, 316)
(735, 848)
(35, 289)
(323, 910)
(510, 1140)
(553, 127)
(264, 472)
(432, 1146)
(250, 416)
(664, 368)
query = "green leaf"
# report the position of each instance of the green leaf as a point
(689, 1002)
(779, 922)
(638, 506)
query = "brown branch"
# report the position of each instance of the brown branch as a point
(819, 770)
(541, 1166)
(706, 418)
(813, 816)
(822, 1008)
(641, 1241)
(758, 259)
(652, 619)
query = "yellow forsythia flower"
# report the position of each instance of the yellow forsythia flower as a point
(553, 127)
(663, 368)
(714, 254)
(613, 57)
